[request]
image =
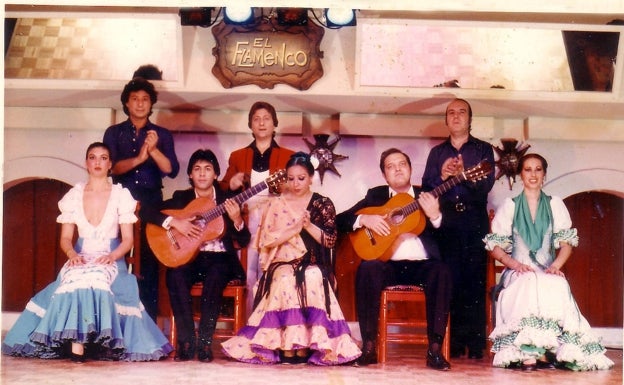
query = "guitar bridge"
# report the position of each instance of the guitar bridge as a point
(370, 236)
(174, 242)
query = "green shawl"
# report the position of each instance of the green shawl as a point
(533, 232)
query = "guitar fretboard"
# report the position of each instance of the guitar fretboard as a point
(219, 210)
(436, 192)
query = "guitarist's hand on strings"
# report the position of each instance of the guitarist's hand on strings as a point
(430, 205)
(234, 212)
(186, 227)
(377, 223)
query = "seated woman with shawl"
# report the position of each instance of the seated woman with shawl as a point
(296, 317)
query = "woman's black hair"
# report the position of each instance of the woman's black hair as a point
(97, 145)
(300, 158)
(532, 156)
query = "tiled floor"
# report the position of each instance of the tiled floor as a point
(407, 367)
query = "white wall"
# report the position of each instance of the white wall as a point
(574, 166)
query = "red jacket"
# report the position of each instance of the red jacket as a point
(241, 161)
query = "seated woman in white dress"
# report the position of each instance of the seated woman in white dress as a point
(538, 323)
(93, 307)
(296, 317)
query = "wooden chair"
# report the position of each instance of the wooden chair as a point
(493, 271)
(411, 321)
(232, 321)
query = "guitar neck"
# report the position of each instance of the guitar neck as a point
(449, 184)
(219, 210)
(436, 192)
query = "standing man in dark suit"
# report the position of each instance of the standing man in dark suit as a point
(143, 154)
(216, 264)
(414, 260)
(466, 223)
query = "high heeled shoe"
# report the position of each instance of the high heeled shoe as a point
(530, 367)
(77, 358)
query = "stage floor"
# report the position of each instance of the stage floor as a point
(406, 366)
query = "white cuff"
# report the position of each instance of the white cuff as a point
(167, 223)
(436, 222)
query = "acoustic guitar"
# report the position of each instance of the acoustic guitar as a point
(403, 215)
(174, 249)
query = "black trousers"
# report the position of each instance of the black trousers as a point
(150, 266)
(148, 282)
(214, 270)
(466, 256)
(373, 276)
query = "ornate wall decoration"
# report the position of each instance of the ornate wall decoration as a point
(508, 158)
(323, 152)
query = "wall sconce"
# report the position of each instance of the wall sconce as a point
(199, 17)
(339, 17)
(238, 15)
(292, 16)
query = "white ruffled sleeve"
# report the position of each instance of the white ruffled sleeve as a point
(69, 205)
(562, 224)
(127, 207)
(501, 228)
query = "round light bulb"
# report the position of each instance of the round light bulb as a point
(238, 14)
(340, 16)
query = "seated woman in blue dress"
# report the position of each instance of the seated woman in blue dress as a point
(93, 306)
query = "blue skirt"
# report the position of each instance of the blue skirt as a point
(110, 321)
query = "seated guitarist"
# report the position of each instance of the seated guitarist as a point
(216, 264)
(412, 259)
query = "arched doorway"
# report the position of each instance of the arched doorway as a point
(596, 267)
(31, 256)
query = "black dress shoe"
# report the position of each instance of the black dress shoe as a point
(369, 354)
(204, 354)
(437, 361)
(185, 352)
(367, 358)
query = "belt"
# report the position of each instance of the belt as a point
(460, 207)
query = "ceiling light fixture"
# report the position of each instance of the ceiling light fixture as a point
(238, 15)
(339, 17)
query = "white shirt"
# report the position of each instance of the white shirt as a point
(214, 245)
(411, 247)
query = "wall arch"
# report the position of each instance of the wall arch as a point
(21, 169)
(591, 179)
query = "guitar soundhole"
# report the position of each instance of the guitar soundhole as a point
(396, 217)
(200, 221)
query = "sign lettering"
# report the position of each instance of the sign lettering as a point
(267, 54)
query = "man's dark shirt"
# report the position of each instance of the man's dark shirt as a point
(124, 144)
(473, 195)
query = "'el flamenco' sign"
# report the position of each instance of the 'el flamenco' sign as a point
(267, 54)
